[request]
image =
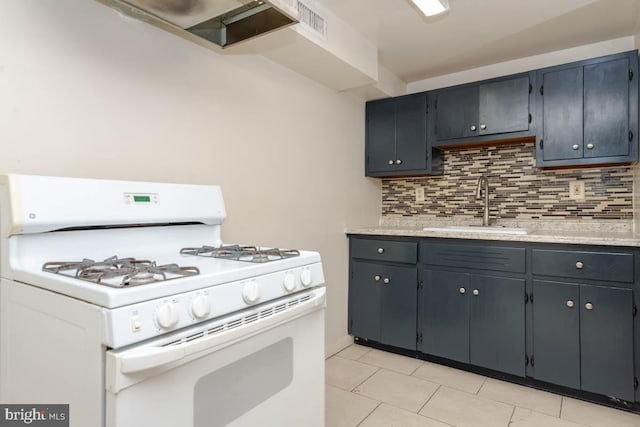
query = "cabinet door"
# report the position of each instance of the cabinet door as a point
(456, 113)
(497, 329)
(606, 341)
(399, 306)
(504, 106)
(556, 333)
(411, 132)
(364, 300)
(445, 315)
(562, 113)
(606, 108)
(381, 135)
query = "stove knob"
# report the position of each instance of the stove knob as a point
(167, 315)
(200, 307)
(305, 277)
(290, 282)
(250, 292)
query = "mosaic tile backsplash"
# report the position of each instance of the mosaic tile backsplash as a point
(518, 190)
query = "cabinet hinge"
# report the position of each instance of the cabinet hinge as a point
(542, 90)
(418, 338)
(630, 136)
(530, 87)
(531, 298)
(542, 144)
(530, 117)
(526, 360)
(532, 362)
(635, 383)
(630, 75)
(635, 310)
(427, 109)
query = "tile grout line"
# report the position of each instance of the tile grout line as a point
(481, 385)
(365, 380)
(369, 414)
(513, 411)
(430, 397)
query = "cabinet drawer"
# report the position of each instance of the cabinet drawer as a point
(608, 266)
(493, 258)
(383, 250)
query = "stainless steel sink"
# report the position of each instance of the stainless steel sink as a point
(478, 229)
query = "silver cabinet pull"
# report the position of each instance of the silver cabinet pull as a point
(570, 303)
(377, 278)
(579, 265)
(588, 306)
(462, 290)
(391, 162)
(398, 162)
(483, 127)
(590, 146)
(476, 292)
(575, 146)
(386, 280)
(380, 250)
(473, 127)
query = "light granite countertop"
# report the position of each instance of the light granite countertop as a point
(587, 232)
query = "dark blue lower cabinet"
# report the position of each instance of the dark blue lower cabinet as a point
(382, 303)
(399, 307)
(606, 341)
(475, 319)
(556, 333)
(497, 324)
(445, 315)
(583, 337)
(364, 301)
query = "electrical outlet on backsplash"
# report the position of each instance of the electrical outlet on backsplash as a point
(518, 190)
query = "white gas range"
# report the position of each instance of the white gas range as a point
(118, 295)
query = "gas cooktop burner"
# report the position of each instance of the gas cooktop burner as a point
(242, 253)
(119, 272)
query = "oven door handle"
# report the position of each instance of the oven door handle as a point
(150, 357)
(134, 362)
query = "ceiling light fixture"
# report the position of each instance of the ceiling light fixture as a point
(432, 7)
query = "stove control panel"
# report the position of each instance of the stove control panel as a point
(200, 307)
(306, 278)
(251, 292)
(289, 282)
(137, 322)
(167, 315)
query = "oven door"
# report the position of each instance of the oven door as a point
(260, 367)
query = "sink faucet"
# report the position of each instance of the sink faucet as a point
(483, 181)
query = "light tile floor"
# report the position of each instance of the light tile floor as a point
(373, 388)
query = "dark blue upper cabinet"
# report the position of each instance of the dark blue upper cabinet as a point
(456, 114)
(481, 112)
(587, 112)
(381, 135)
(396, 138)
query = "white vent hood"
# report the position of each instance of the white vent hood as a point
(223, 22)
(321, 47)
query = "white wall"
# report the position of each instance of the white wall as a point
(525, 64)
(86, 92)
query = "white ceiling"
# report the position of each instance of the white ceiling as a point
(474, 33)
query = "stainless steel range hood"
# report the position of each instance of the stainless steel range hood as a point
(223, 22)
